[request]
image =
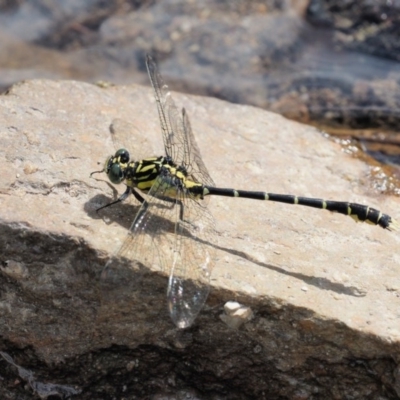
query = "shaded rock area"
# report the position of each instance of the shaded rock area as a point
(329, 63)
(322, 292)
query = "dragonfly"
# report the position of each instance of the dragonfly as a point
(173, 230)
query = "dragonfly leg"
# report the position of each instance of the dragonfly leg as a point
(123, 197)
(138, 197)
(173, 202)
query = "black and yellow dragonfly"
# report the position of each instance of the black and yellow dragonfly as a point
(173, 229)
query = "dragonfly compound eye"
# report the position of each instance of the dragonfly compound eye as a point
(116, 174)
(123, 156)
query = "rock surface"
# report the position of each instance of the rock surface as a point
(321, 293)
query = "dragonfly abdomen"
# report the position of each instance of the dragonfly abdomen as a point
(359, 212)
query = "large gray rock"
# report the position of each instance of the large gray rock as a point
(323, 291)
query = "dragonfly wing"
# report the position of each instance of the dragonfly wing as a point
(159, 240)
(150, 234)
(167, 111)
(192, 263)
(195, 166)
(178, 137)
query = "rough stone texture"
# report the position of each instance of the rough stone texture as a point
(323, 291)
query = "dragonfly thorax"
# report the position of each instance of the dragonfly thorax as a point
(172, 183)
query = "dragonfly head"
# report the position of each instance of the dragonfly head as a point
(116, 166)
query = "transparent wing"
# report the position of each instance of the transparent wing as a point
(193, 161)
(190, 271)
(181, 249)
(178, 137)
(168, 113)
